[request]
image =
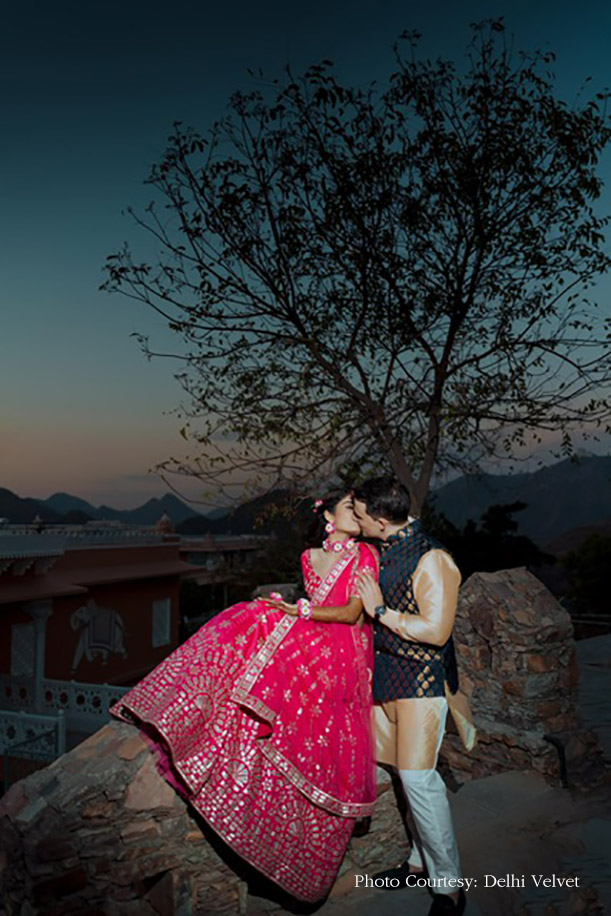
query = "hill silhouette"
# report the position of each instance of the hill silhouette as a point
(564, 502)
(22, 511)
(559, 498)
(64, 508)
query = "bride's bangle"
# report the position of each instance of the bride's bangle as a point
(304, 606)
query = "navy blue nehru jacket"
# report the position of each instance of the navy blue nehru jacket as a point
(405, 669)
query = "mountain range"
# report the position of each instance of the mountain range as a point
(559, 497)
(63, 507)
(565, 502)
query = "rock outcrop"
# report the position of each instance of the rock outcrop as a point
(518, 665)
(100, 833)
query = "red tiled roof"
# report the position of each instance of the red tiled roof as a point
(75, 581)
(121, 573)
(33, 588)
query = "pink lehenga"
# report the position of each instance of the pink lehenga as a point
(263, 722)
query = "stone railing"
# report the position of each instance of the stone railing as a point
(32, 736)
(16, 692)
(85, 705)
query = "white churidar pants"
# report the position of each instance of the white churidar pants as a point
(434, 842)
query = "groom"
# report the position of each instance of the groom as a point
(415, 677)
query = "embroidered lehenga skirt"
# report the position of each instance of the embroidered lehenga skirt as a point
(263, 722)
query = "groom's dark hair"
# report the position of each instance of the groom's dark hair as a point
(385, 498)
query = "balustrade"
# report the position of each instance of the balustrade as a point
(85, 705)
(32, 736)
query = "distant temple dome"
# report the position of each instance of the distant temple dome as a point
(164, 525)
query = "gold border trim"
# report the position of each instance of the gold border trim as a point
(318, 796)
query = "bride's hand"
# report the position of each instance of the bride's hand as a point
(282, 606)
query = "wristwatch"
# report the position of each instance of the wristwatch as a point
(379, 610)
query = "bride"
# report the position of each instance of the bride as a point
(262, 719)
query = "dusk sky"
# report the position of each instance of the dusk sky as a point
(89, 96)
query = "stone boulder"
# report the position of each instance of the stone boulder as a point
(100, 833)
(518, 665)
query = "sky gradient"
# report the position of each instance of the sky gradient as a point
(89, 95)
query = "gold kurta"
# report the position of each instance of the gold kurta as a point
(408, 730)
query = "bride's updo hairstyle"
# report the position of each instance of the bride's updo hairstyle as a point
(327, 503)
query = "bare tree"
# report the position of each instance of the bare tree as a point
(365, 277)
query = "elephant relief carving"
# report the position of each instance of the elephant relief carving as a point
(102, 631)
